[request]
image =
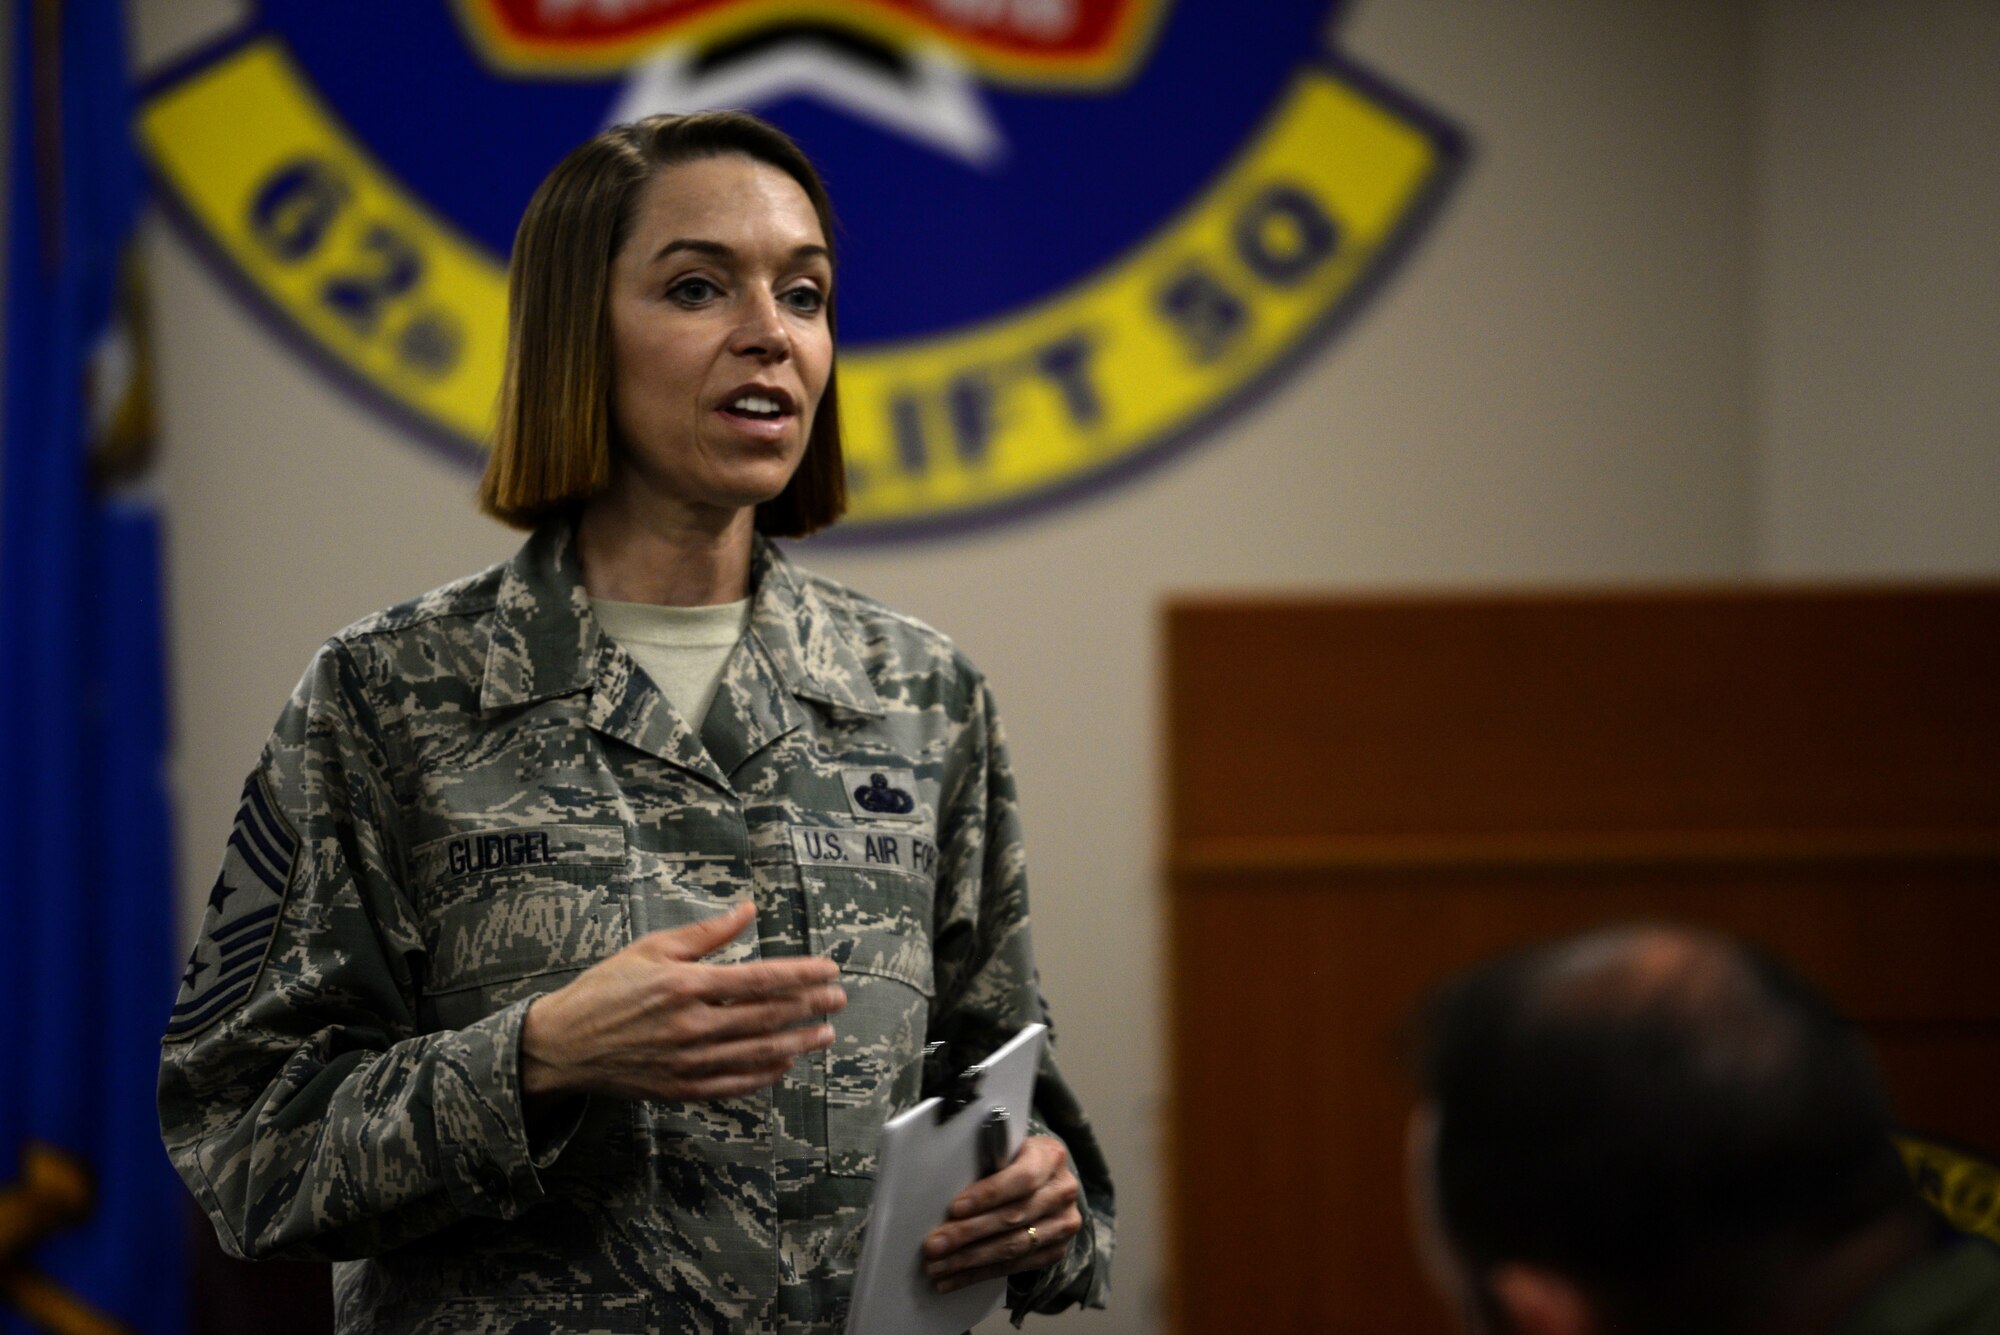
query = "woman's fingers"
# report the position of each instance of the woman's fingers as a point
(733, 1085)
(653, 1021)
(988, 1233)
(961, 1241)
(742, 1054)
(710, 1023)
(1009, 1251)
(758, 978)
(1036, 1260)
(717, 1070)
(1041, 1157)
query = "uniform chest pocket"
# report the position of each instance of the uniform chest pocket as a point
(876, 925)
(515, 913)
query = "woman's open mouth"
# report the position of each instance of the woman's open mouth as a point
(758, 410)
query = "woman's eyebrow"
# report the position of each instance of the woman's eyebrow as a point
(717, 250)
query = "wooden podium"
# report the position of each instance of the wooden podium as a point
(1367, 794)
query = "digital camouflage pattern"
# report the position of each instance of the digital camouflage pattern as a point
(489, 796)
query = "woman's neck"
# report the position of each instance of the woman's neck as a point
(686, 558)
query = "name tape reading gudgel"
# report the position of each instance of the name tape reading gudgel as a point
(526, 847)
(864, 850)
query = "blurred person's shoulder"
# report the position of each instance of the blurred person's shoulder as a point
(1952, 1291)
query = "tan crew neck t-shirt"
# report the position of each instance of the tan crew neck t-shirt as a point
(683, 649)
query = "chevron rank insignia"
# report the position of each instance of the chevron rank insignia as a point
(242, 916)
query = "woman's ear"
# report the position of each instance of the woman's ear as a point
(1540, 1302)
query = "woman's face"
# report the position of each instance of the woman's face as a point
(719, 335)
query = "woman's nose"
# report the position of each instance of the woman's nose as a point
(762, 334)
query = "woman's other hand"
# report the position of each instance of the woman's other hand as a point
(1021, 1218)
(654, 1022)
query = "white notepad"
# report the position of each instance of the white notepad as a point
(920, 1166)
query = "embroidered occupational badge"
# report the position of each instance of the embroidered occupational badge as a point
(242, 916)
(876, 792)
(1076, 233)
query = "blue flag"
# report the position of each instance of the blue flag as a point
(91, 1216)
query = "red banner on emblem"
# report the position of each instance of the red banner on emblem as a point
(1057, 40)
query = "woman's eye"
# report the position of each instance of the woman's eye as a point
(693, 291)
(805, 300)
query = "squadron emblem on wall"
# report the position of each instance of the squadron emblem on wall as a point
(1075, 233)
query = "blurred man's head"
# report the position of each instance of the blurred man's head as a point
(1650, 1131)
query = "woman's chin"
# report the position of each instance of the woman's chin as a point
(742, 483)
(754, 487)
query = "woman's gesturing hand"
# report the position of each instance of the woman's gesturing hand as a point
(1021, 1218)
(653, 1022)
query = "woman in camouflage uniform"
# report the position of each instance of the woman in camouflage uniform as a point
(477, 1010)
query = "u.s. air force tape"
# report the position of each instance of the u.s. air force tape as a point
(864, 850)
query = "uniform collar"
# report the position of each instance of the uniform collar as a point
(543, 634)
(546, 643)
(811, 646)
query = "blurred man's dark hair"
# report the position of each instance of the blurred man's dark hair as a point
(1675, 1124)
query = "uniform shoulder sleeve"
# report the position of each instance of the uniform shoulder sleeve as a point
(987, 985)
(297, 1098)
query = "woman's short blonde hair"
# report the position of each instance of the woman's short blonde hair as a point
(552, 444)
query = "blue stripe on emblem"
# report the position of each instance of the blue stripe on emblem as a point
(219, 985)
(187, 1022)
(278, 863)
(239, 841)
(265, 842)
(253, 795)
(251, 947)
(273, 828)
(236, 929)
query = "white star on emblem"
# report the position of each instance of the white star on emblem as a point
(938, 104)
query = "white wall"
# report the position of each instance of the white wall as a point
(1878, 236)
(1565, 384)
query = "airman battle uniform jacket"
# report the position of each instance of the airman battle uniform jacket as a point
(473, 797)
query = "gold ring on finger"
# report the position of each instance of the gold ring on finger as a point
(1034, 1238)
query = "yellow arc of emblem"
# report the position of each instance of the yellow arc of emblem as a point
(980, 419)
(1961, 1186)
